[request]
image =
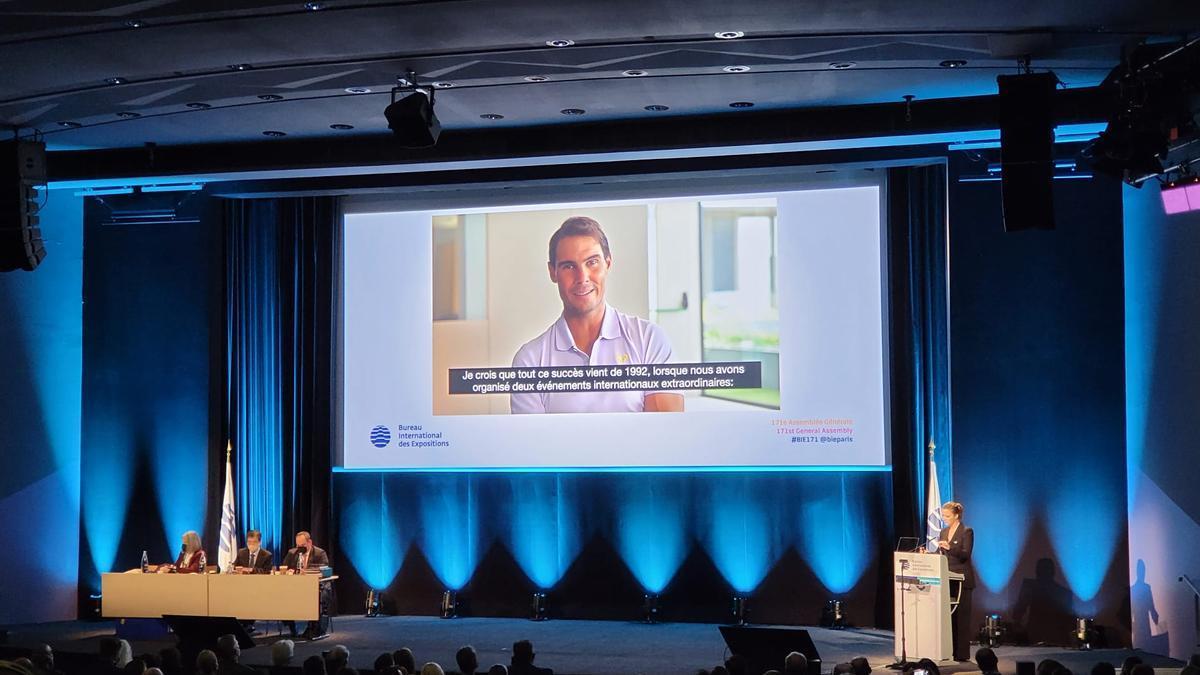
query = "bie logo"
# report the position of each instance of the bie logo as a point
(380, 436)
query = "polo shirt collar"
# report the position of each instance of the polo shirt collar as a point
(610, 328)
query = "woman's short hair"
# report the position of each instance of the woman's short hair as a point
(954, 507)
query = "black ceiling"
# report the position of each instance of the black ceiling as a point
(299, 63)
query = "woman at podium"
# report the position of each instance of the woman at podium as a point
(191, 554)
(956, 542)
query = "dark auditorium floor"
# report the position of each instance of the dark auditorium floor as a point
(579, 647)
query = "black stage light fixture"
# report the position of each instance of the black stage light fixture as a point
(650, 608)
(991, 634)
(1153, 124)
(374, 599)
(740, 610)
(410, 115)
(537, 609)
(834, 615)
(449, 604)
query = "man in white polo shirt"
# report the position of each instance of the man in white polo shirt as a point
(590, 332)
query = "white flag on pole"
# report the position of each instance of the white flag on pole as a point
(227, 551)
(933, 507)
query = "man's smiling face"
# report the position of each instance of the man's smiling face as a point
(580, 270)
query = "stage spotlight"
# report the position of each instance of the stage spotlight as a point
(650, 608)
(740, 610)
(833, 616)
(373, 602)
(411, 117)
(991, 634)
(1087, 634)
(537, 610)
(449, 604)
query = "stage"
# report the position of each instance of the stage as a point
(578, 647)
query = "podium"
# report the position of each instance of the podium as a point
(923, 602)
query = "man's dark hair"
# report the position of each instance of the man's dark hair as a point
(1104, 668)
(405, 659)
(522, 652)
(986, 659)
(929, 666)
(468, 661)
(314, 665)
(1128, 664)
(578, 226)
(384, 661)
(1142, 669)
(253, 534)
(843, 669)
(860, 666)
(172, 660)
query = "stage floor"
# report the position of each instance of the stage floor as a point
(569, 647)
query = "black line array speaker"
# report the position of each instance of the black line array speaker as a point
(1027, 150)
(22, 172)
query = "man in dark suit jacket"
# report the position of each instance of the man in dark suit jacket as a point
(307, 557)
(253, 559)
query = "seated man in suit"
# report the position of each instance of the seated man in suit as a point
(307, 557)
(253, 559)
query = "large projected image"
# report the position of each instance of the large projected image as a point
(683, 333)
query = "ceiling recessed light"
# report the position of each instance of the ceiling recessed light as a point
(116, 80)
(198, 106)
(70, 125)
(270, 97)
(729, 34)
(953, 63)
(129, 115)
(572, 111)
(314, 6)
(559, 43)
(741, 104)
(240, 66)
(357, 90)
(134, 23)
(341, 127)
(842, 65)
(491, 116)
(536, 78)
(634, 73)
(657, 108)
(736, 69)
(274, 134)
(443, 85)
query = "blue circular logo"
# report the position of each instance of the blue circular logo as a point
(380, 436)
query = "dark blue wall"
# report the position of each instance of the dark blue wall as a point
(1038, 392)
(1162, 296)
(151, 323)
(40, 336)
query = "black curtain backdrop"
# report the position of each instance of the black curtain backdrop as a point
(920, 340)
(282, 262)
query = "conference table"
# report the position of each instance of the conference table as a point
(138, 595)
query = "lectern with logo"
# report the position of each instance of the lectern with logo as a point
(923, 604)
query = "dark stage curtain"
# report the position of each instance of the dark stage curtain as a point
(920, 338)
(282, 261)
